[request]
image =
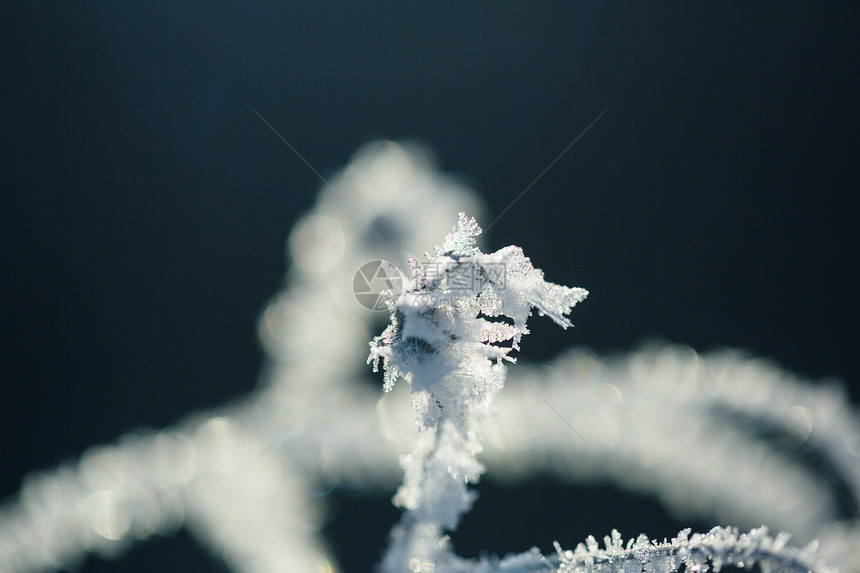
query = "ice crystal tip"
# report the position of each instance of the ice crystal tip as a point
(461, 241)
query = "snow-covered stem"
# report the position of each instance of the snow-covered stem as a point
(457, 320)
(698, 553)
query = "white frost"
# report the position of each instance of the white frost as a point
(448, 335)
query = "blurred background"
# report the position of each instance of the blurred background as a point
(145, 207)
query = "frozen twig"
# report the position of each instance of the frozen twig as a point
(459, 317)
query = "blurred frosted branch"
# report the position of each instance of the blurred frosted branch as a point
(718, 435)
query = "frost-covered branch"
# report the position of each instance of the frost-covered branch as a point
(458, 319)
(697, 553)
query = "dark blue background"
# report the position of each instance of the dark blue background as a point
(145, 206)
